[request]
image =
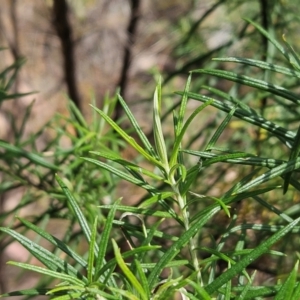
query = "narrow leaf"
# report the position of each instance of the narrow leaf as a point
(104, 240)
(48, 272)
(275, 172)
(183, 131)
(127, 272)
(138, 211)
(27, 292)
(261, 64)
(32, 157)
(142, 278)
(91, 253)
(255, 83)
(128, 138)
(287, 288)
(121, 174)
(274, 129)
(269, 37)
(131, 253)
(293, 155)
(220, 129)
(243, 294)
(76, 210)
(157, 128)
(246, 260)
(241, 158)
(137, 128)
(183, 104)
(51, 261)
(127, 164)
(54, 241)
(177, 246)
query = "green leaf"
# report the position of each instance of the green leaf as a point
(139, 211)
(228, 199)
(4, 96)
(244, 292)
(32, 157)
(137, 128)
(199, 289)
(121, 174)
(51, 261)
(105, 239)
(256, 292)
(296, 293)
(191, 176)
(220, 129)
(173, 159)
(130, 276)
(157, 128)
(261, 64)
(285, 135)
(127, 164)
(28, 292)
(271, 39)
(54, 241)
(227, 287)
(255, 83)
(131, 253)
(289, 285)
(183, 104)
(261, 227)
(229, 98)
(44, 271)
(91, 253)
(73, 293)
(275, 172)
(77, 211)
(78, 117)
(180, 168)
(127, 294)
(178, 245)
(241, 158)
(272, 208)
(156, 198)
(295, 61)
(293, 155)
(131, 141)
(166, 289)
(142, 278)
(248, 259)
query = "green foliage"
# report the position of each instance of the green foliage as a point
(185, 231)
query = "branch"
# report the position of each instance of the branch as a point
(64, 32)
(131, 31)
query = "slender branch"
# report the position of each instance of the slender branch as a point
(63, 29)
(131, 31)
(14, 46)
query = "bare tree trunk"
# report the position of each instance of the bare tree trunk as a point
(131, 32)
(64, 31)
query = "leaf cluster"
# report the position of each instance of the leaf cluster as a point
(167, 252)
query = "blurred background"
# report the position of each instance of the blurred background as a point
(84, 50)
(93, 39)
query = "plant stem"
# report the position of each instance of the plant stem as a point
(185, 214)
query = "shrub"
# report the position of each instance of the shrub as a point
(181, 240)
